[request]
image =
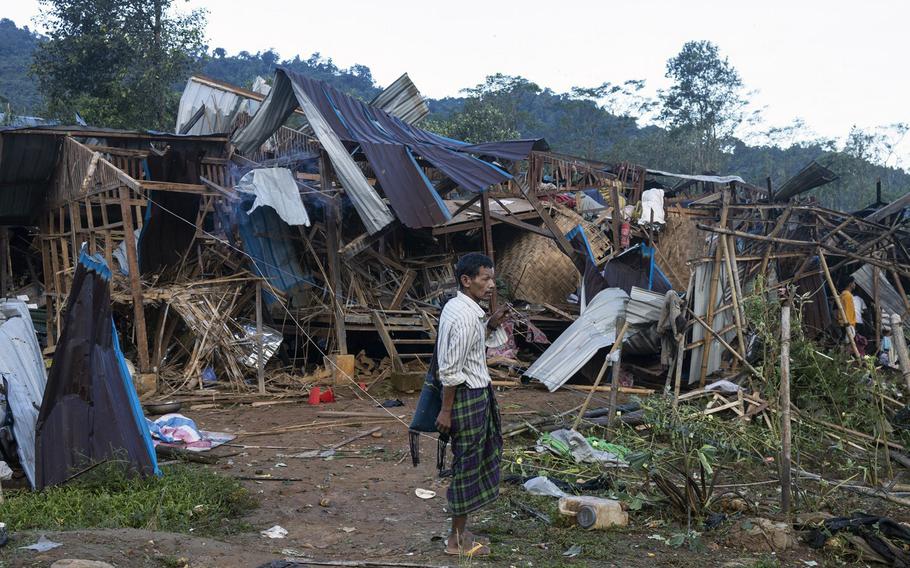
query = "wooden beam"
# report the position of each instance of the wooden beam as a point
(900, 345)
(397, 365)
(132, 260)
(622, 326)
(785, 468)
(406, 283)
(260, 351)
(616, 218)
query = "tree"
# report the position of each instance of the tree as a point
(480, 120)
(624, 100)
(705, 104)
(117, 62)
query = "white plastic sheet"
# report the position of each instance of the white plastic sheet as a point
(22, 368)
(275, 188)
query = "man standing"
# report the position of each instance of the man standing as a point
(469, 412)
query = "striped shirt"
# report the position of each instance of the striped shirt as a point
(462, 343)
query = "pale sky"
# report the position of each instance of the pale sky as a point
(834, 63)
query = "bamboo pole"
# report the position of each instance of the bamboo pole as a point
(729, 348)
(785, 467)
(620, 321)
(903, 357)
(840, 305)
(737, 308)
(877, 321)
(260, 352)
(603, 369)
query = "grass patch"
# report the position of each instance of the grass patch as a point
(185, 499)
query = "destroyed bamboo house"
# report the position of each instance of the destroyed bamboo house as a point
(292, 222)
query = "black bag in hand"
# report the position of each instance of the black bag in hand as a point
(428, 406)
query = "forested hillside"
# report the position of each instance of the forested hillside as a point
(17, 89)
(601, 123)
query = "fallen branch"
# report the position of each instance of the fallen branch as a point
(880, 493)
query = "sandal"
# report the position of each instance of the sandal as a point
(477, 549)
(468, 535)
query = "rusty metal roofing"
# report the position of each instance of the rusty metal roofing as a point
(27, 164)
(402, 99)
(392, 146)
(812, 176)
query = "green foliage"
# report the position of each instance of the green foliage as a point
(479, 121)
(186, 498)
(17, 89)
(704, 105)
(117, 62)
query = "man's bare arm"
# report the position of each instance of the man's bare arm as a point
(444, 420)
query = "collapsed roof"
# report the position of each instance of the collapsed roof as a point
(396, 150)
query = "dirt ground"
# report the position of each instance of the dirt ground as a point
(360, 504)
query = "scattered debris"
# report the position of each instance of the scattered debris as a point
(43, 545)
(275, 532)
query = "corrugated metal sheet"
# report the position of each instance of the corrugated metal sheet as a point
(592, 331)
(220, 106)
(812, 176)
(389, 144)
(27, 164)
(280, 103)
(888, 297)
(402, 99)
(644, 306)
(269, 241)
(701, 295)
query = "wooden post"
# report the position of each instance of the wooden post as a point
(840, 306)
(617, 219)
(680, 352)
(333, 239)
(785, 473)
(877, 321)
(900, 289)
(617, 365)
(487, 236)
(900, 345)
(5, 284)
(260, 348)
(621, 325)
(132, 260)
(737, 308)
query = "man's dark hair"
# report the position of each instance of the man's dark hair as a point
(850, 282)
(470, 264)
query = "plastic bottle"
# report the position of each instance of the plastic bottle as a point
(594, 512)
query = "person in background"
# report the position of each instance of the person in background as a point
(847, 319)
(859, 306)
(469, 413)
(886, 353)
